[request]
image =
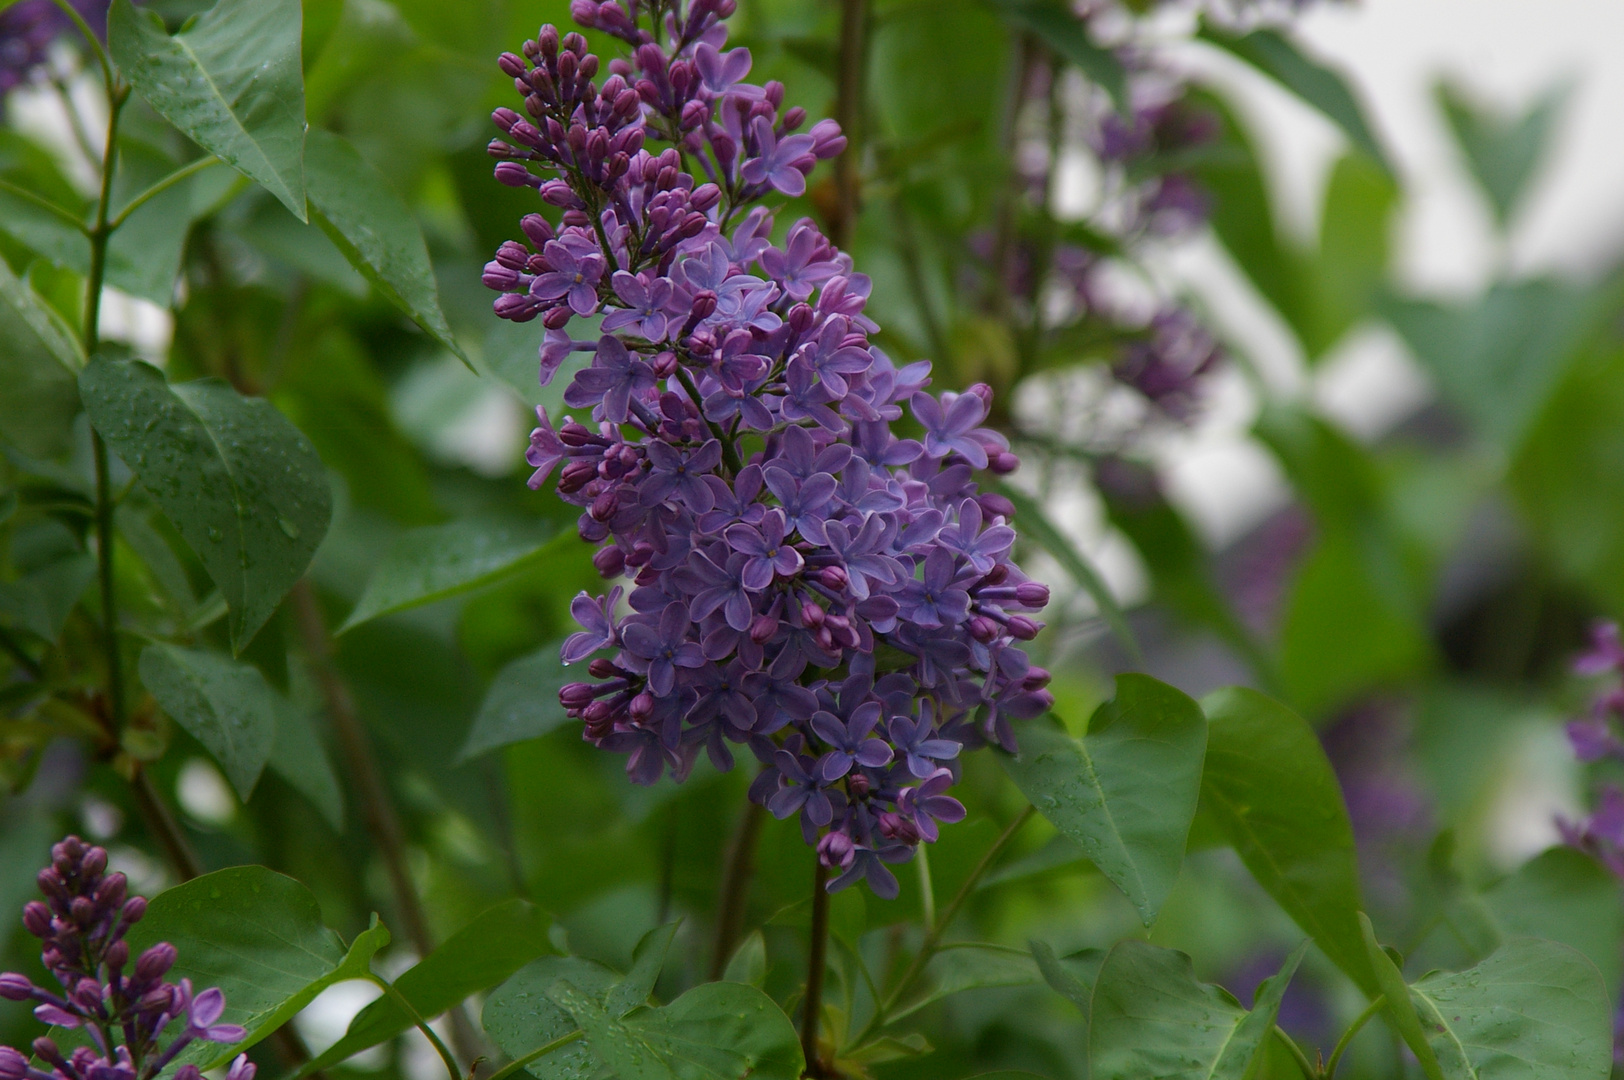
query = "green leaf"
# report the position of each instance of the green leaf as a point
(1152, 1017)
(1503, 153)
(243, 486)
(1270, 787)
(725, 1031)
(224, 704)
(41, 600)
(748, 964)
(38, 359)
(1498, 359)
(1566, 897)
(1072, 977)
(1354, 251)
(520, 1018)
(258, 936)
(1535, 1010)
(647, 960)
(366, 220)
(1058, 28)
(437, 561)
(1037, 526)
(298, 757)
(521, 704)
(230, 80)
(970, 966)
(1313, 82)
(480, 955)
(1398, 1008)
(1127, 791)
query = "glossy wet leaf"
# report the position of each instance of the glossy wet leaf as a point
(647, 960)
(437, 561)
(1127, 791)
(258, 936)
(224, 704)
(1270, 788)
(482, 954)
(1150, 1016)
(231, 81)
(363, 216)
(39, 358)
(522, 702)
(1534, 1010)
(242, 485)
(520, 1018)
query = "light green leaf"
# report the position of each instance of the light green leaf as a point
(480, 955)
(1534, 1010)
(1271, 789)
(1152, 1017)
(520, 1018)
(1398, 1008)
(1037, 526)
(298, 757)
(360, 212)
(1503, 153)
(971, 966)
(1566, 897)
(243, 486)
(1313, 82)
(1072, 977)
(38, 359)
(1058, 28)
(521, 704)
(231, 81)
(1127, 791)
(748, 964)
(437, 561)
(224, 704)
(258, 936)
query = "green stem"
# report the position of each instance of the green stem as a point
(927, 891)
(422, 1025)
(816, 962)
(93, 41)
(741, 863)
(849, 87)
(933, 937)
(1353, 1029)
(518, 1063)
(1297, 1053)
(62, 213)
(183, 173)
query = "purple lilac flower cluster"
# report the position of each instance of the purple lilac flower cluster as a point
(125, 1008)
(1594, 738)
(803, 581)
(28, 28)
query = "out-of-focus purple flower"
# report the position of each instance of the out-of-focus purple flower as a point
(28, 28)
(1606, 652)
(1166, 364)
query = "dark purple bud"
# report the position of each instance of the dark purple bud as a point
(665, 365)
(1033, 594)
(705, 196)
(37, 918)
(117, 955)
(135, 909)
(1036, 678)
(801, 317)
(775, 93)
(836, 851)
(995, 505)
(610, 562)
(13, 1065)
(1023, 629)
(155, 961)
(591, 531)
(704, 305)
(984, 629)
(15, 987)
(536, 229)
(694, 114)
(762, 629)
(515, 175)
(1002, 462)
(577, 695)
(82, 910)
(604, 506)
(794, 118)
(596, 713)
(557, 318)
(898, 827)
(512, 66)
(834, 578)
(641, 706)
(857, 783)
(500, 278)
(812, 615)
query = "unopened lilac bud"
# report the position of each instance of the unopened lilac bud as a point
(794, 118)
(694, 114)
(117, 954)
(515, 175)
(704, 197)
(512, 66)
(576, 695)
(536, 229)
(1036, 678)
(604, 506)
(704, 305)
(982, 391)
(665, 365)
(82, 910)
(557, 318)
(641, 706)
(13, 1065)
(836, 850)
(774, 92)
(898, 827)
(858, 784)
(1002, 462)
(762, 629)
(983, 629)
(812, 614)
(241, 1069)
(995, 505)
(15, 987)
(500, 278)
(834, 578)
(610, 562)
(135, 909)
(153, 963)
(1032, 594)
(596, 713)
(1023, 629)
(37, 918)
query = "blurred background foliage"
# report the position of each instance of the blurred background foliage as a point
(1417, 598)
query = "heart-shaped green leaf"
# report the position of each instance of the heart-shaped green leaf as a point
(222, 703)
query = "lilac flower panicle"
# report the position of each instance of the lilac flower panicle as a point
(124, 1007)
(801, 583)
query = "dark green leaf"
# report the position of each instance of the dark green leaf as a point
(521, 1019)
(1127, 791)
(224, 704)
(1072, 977)
(144, 255)
(230, 80)
(971, 966)
(1152, 1017)
(242, 485)
(1313, 82)
(438, 561)
(1535, 1010)
(647, 960)
(1057, 27)
(368, 222)
(1498, 358)
(480, 955)
(1398, 1007)
(258, 936)
(1503, 153)
(522, 703)
(1036, 525)
(1567, 897)
(38, 359)
(748, 964)
(1271, 789)
(41, 600)
(298, 757)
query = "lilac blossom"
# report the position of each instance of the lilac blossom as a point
(803, 583)
(126, 1007)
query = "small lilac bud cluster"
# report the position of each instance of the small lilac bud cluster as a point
(803, 581)
(124, 1007)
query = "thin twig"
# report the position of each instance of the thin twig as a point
(422, 1025)
(817, 961)
(741, 864)
(161, 823)
(518, 1063)
(1297, 1054)
(1353, 1029)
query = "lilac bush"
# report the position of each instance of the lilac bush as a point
(125, 1008)
(806, 581)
